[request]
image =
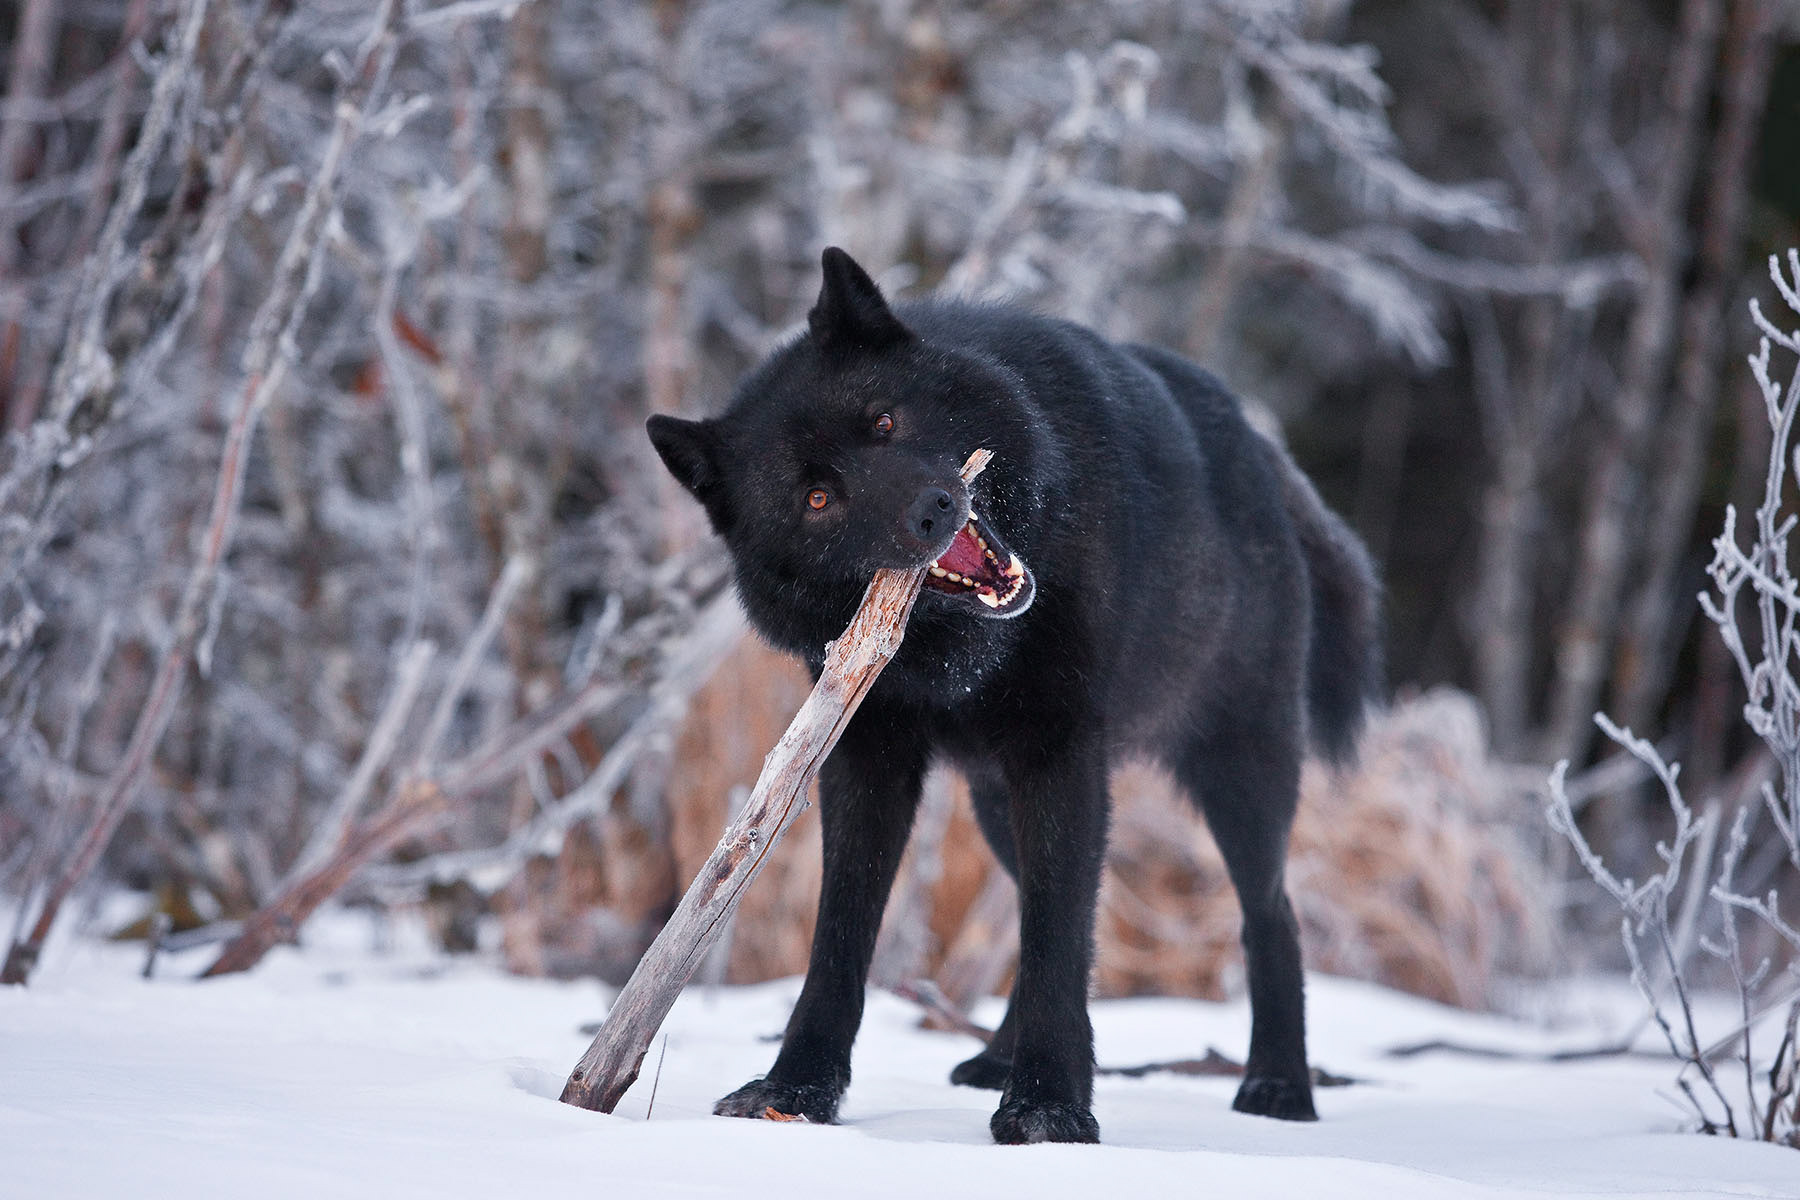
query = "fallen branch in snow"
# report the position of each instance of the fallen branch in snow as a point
(941, 1014)
(1216, 1064)
(1618, 1049)
(940, 1011)
(852, 663)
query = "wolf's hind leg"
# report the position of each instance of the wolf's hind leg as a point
(868, 793)
(993, 1065)
(1246, 778)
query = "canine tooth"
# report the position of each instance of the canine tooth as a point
(1015, 567)
(988, 598)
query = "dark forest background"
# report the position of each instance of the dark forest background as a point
(330, 539)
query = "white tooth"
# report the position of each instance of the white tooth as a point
(988, 598)
(938, 571)
(1016, 567)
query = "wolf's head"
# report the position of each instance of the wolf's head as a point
(841, 453)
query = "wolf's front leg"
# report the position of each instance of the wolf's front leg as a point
(868, 793)
(1059, 829)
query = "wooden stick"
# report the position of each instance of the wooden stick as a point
(852, 662)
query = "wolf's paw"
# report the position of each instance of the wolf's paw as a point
(817, 1103)
(1273, 1096)
(1020, 1122)
(982, 1071)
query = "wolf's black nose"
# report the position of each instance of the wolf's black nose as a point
(928, 517)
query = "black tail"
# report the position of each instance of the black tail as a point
(1343, 666)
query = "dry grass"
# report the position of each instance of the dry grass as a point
(1413, 869)
(1409, 870)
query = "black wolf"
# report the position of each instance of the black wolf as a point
(1137, 572)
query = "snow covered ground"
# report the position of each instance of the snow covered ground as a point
(340, 1072)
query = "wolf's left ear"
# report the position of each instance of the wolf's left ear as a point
(851, 311)
(691, 450)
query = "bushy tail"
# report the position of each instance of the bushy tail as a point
(1344, 667)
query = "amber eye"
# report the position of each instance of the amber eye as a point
(817, 498)
(884, 424)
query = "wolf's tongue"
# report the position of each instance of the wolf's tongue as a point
(964, 556)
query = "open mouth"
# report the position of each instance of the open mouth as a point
(979, 566)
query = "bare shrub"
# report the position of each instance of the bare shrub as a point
(1740, 1080)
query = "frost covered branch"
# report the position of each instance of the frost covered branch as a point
(1756, 579)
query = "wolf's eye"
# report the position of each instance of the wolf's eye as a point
(817, 498)
(884, 424)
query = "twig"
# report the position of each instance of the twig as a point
(83, 350)
(328, 837)
(518, 569)
(505, 754)
(1618, 1049)
(852, 664)
(714, 633)
(940, 1013)
(656, 1080)
(1216, 1064)
(281, 918)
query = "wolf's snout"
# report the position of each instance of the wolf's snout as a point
(930, 516)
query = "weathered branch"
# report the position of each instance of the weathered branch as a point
(715, 632)
(328, 837)
(852, 664)
(281, 918)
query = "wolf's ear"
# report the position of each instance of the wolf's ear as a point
(851, 311)
(692, 450)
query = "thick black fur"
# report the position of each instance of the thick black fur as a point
(1195, 602)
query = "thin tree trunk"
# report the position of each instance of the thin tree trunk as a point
(1520, 400)
(28, 74)
(1678, 465)
(1614, 485)
(516, 471)
(33, 371)
(1504, 570)
(1245, 208)
(673, 217)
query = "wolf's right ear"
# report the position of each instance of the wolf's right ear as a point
(851, 311)
(691, 450)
